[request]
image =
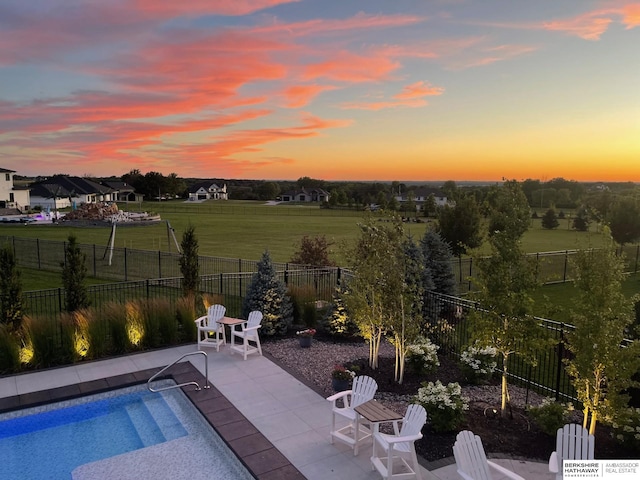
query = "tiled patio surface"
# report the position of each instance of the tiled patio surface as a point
(287, 414)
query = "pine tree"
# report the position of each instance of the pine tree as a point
(189, 262)
(74, 272)
(268, 295)
(550, 219)
(438, 260)
(11, 308)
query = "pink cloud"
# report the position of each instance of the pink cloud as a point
(631, 15)
(300, 95)
(589, 26)
(411, 96)
(351, 67)
(194, 8)
(418, 90)
(360, 21)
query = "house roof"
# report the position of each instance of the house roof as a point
(306, 191)
(62, 185)
(4, 170)
(207, 184)
(120, 186)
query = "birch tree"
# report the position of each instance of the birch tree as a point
(601, 369)
(373, 297)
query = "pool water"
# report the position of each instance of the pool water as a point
(51, 442)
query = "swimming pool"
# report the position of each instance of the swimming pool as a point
(128, 433)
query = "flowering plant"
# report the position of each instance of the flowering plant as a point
(478, 363)
(309, 332)
(341, 373)
(626, 427)
(422, 355)
(444, 404)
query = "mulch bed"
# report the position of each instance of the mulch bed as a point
(516, 435)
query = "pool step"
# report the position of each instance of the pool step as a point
(144, 423)
(164, 417)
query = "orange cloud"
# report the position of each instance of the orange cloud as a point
(194, 8)
(300, 95)
(351, 67)
(589, 26)
(418, 89)
(411, 96)
(323, 26)
(631, 15)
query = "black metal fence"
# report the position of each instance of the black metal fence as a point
(451, 329)
(127, 264)
(232, 286)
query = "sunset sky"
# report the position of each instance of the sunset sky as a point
(409, 90)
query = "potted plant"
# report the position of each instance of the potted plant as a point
(305, 336)
(341, 377)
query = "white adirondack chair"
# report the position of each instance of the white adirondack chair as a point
(363, 389)
(573, 442)
(210, 332)
(471, 459)
(400, 446)
(248, 332)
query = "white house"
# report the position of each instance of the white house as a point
(422, 194)
(306, 195)
(207, 191)
(10, 195)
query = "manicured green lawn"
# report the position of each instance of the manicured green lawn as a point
(560, 296)
(245, 229)
(42, 279)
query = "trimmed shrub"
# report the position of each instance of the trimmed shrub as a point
(444, 404)
(422, 356)
(551, 415)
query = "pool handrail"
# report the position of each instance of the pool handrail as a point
(206, 374)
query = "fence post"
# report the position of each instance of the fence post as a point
(560, 355)
(60, 298)
(286, 274)
(38, 250)
(470, 272)
(147, 287)
(635, 269)
(159, 264)
(566, 261)
(126, 276)
(95, 270)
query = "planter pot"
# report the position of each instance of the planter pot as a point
(339, 385)
(305, 342)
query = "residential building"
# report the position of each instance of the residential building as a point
(13, 197)
(207, 190)
(420, 195)
(61, 191)
(124, 192)
(306, 195)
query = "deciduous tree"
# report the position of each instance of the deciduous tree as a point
(459, 225)
(624, 220)
(601, 370)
